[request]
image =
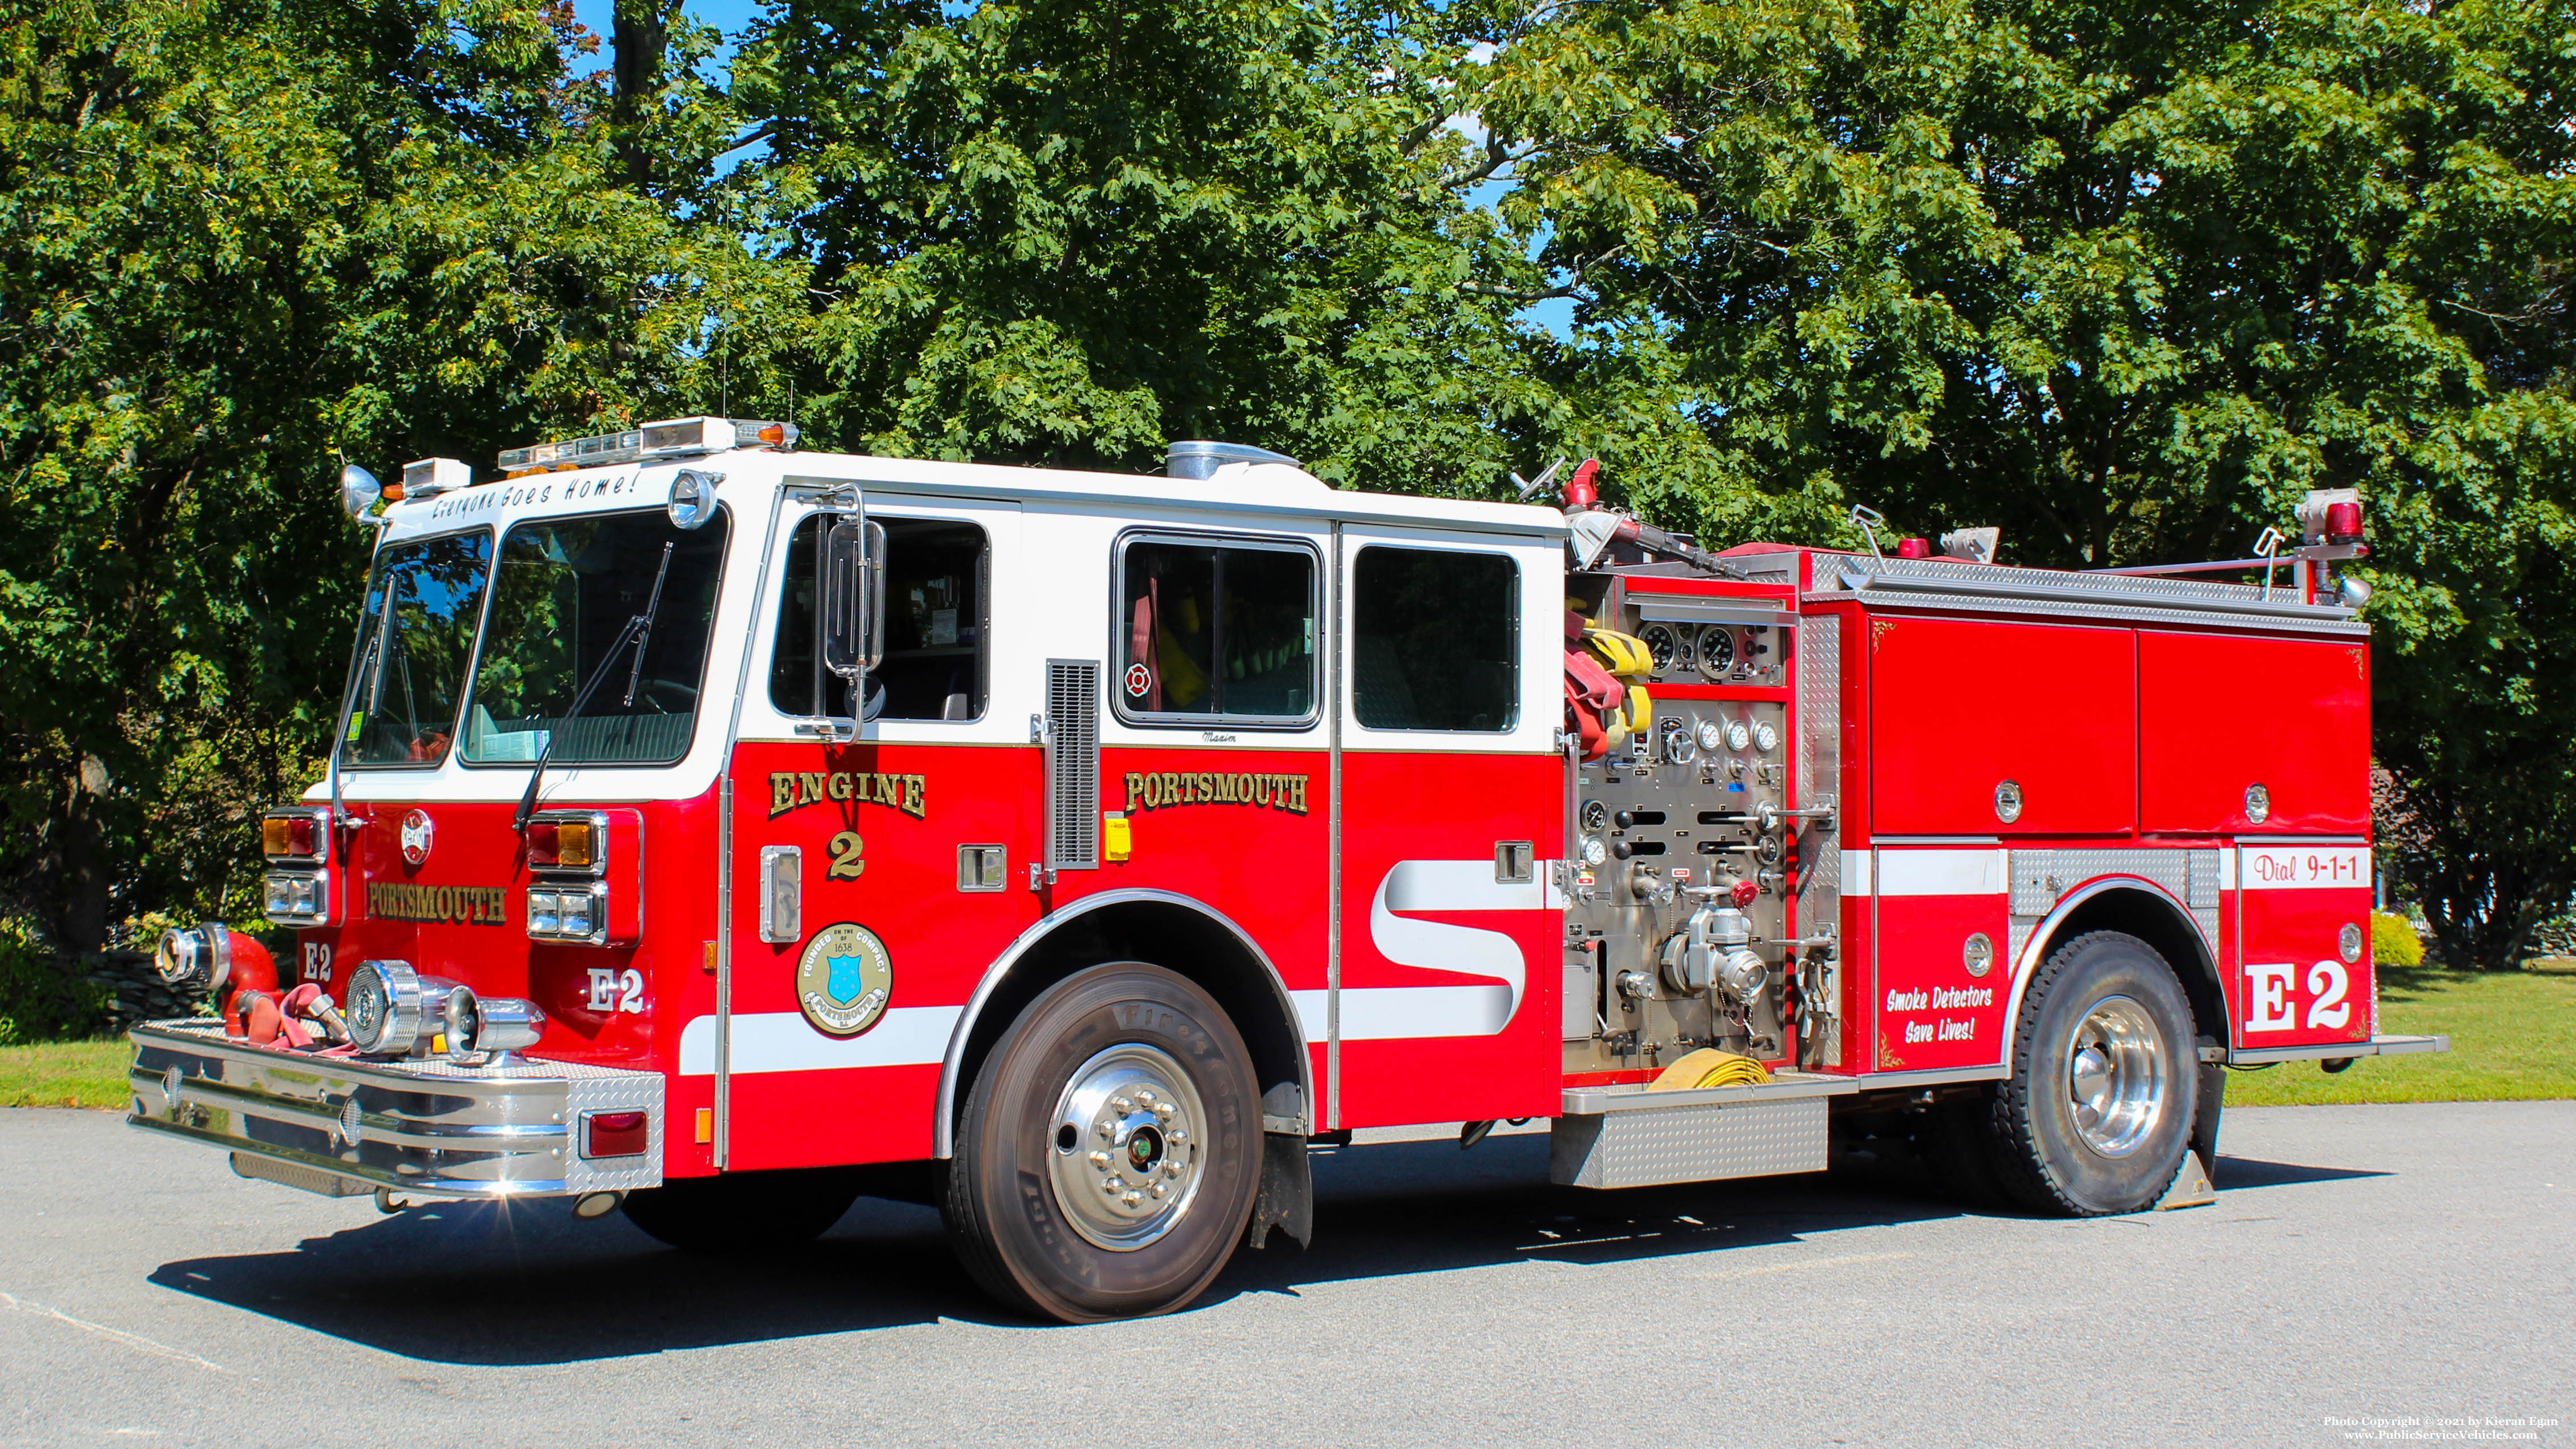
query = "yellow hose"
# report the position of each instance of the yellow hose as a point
(1709, 1067)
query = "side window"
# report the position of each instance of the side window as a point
(936, 631)
(1215, 631)
(1435, 640)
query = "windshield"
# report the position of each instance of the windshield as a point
(412, 671)
(562, 598)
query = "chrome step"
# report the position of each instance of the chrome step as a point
(1627, 1136)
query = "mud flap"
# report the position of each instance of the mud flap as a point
(1287, 1199)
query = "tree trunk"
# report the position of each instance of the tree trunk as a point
(641, 33)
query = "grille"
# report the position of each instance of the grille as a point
(1073, 764)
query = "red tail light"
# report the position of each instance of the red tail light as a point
(615, 1134)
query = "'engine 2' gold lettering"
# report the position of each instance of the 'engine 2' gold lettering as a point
(1162, 789)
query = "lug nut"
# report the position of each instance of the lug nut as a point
(1121, 1104)
(1161, 1191)
(1163, 1110)
(1145, 1095)
(1133, 1198)
(1100, 1159)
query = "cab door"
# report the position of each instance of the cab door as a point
(873, 877)
(1452, 814)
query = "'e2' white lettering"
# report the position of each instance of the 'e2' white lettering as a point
(2267, 996)
(610, 991)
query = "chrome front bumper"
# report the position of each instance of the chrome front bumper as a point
(429, 1128)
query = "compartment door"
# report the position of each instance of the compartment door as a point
(1943, 982)
(1959, 707)
(2221, 714)
(1452, 793)
(2294, 984)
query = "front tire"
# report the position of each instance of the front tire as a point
(1108, 1155)
(2105, 1086)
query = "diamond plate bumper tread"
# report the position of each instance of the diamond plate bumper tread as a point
(1711, 1135)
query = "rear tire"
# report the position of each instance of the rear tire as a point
(1108, 1155)
(2106, 1082)
(744, 1212)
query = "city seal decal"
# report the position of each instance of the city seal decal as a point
(843, 980)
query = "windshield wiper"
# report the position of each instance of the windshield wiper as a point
(637, 630)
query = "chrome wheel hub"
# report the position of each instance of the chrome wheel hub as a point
(2116, 1076)
(1124, 1147)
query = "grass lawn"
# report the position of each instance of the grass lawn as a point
(64, 1074)
(2513, 1036)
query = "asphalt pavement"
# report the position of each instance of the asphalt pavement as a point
(2368, 1274)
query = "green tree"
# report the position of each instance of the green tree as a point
(1064, 231)
(240, 242)
(2125, 280)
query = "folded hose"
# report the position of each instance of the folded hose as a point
(1709, 1067)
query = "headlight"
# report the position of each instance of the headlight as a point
(295, 898)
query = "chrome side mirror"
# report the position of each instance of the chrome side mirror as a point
(852, 598)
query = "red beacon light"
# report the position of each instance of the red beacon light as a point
(2343, 523)
(1914, 548)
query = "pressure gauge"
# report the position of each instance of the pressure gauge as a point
(1593, 852)
(1765, 738)
(1739, 735)
(1712, 738)
(1716, 650)
(1660, 644)
(1596, 816)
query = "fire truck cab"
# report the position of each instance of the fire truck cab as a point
(719, 831)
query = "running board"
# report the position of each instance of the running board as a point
(2378, 1046)
(1630, 1137)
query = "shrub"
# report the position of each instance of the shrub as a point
(2393, 941)
(40, 1000)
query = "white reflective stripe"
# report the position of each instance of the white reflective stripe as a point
(1393, 1013)
(784, 1041)
(1856, 881)
(2295, 868)
(2227, 870)
(1449, 885)
(1978, 872)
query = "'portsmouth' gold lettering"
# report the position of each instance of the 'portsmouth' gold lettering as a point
(1162, 789)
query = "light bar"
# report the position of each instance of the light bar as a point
(671, 438)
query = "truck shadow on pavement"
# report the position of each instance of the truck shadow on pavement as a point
(497, 1284)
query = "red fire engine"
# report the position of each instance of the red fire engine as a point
(719, 831)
